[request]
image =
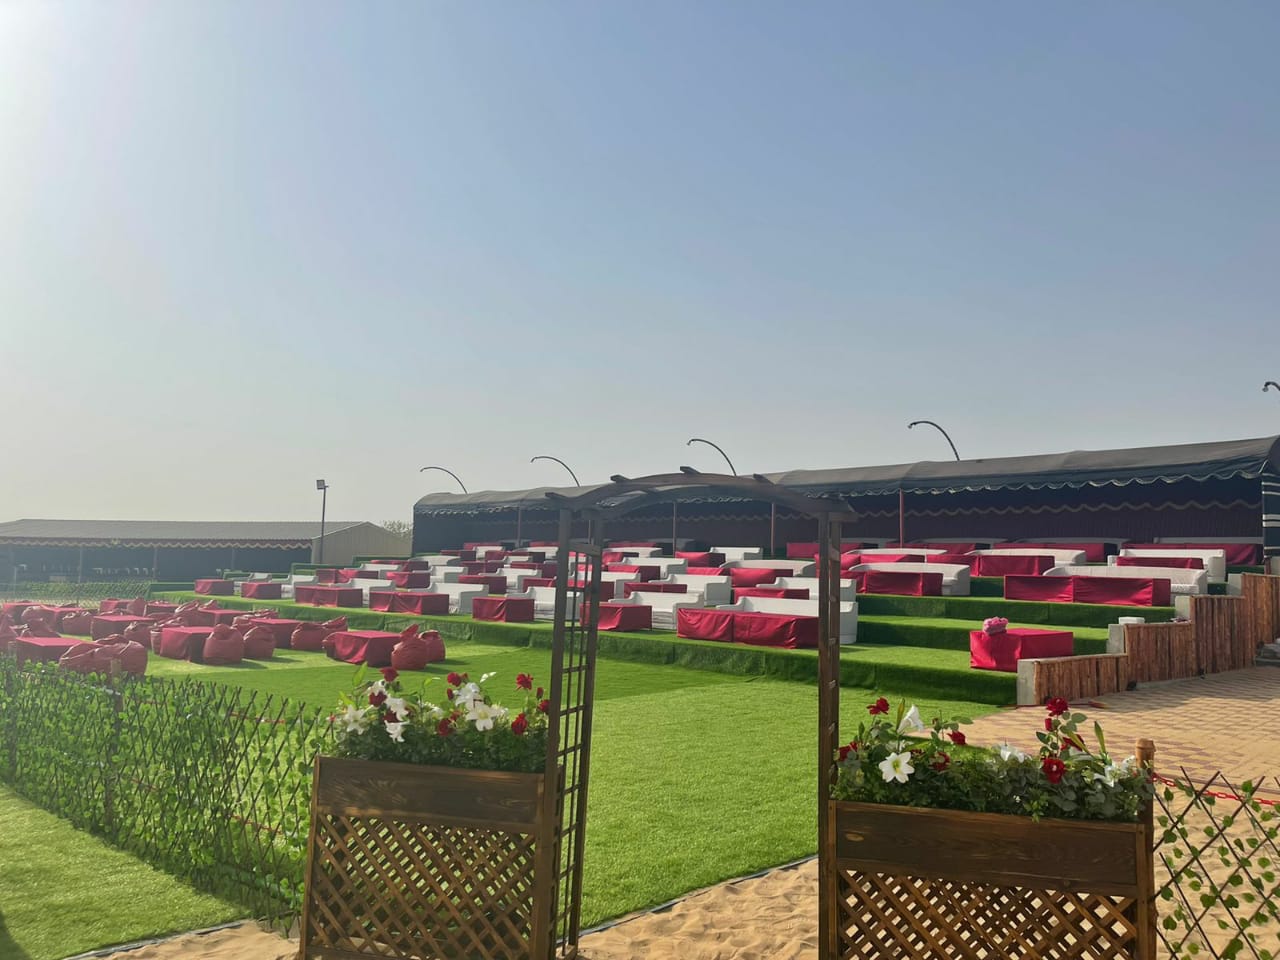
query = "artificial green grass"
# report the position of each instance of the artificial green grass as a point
(946, 634)
(904, 669)
(63, 891)
(977, 609)
(696, 776)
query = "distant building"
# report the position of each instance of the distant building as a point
(79, 550)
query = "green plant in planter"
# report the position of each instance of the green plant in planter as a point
(889, 761)
(381, 721)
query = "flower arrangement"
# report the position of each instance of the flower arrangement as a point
(381, 721)
(901, 761)
(995, 625)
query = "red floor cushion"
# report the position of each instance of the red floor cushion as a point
(308, 636)
(73, 622)
(139, 633)
(414, 653)
(79, 658)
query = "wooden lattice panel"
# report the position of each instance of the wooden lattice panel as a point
(884, 916)
(428, 863)
(390, 888)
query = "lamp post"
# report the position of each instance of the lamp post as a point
(449, 472)
(717, 446)
(940, 430)
(773, 508)
(542, 456)
(324, 501)
(1269, 384)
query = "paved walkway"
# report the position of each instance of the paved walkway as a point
(1224, 722)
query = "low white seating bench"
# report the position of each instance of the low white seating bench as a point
(739, 553)
(955, 576)
(460, 594)
(707, 591)
(1215, 561)
(1059, 556)
(848, 588)
(1181, 582)
(798, 568)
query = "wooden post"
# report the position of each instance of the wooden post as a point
(1145, 751)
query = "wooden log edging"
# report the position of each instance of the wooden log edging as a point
(1222, 633)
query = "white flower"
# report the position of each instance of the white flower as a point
(396, 731)
(378, 686)
(1115, 771)
(897, 767)
(431, 710)
(483, 714)
(467, 695)
(396, 705)
(1008, 752)
(911, 721)
(487, 677)
(354, 719)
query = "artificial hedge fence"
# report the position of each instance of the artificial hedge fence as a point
(206, 781)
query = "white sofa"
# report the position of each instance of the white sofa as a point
(665, 565)
(1181, 582)
(848, 588)
(807, 608)
(798, 568)
(708, 591)
(739, 553)
(286, 588)
(365, 585)
(898, 551)
(637, 551)
(544, 602)
(1215, 561)
(955, 576)
(1059, 556)
(460, 594)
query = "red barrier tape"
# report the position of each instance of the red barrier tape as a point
(1217, 795)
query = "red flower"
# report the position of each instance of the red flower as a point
(1057, 707)
(544, 706)
(444, 727)
(1048, 724)
(519, 725)
(942, 762)
(1053, 769)
(957, 738)
(389, 674)
(456, 679)
(377, 698)
(880, 706)
(539, 693)
(524, 681)
(449, 694)
(845, 751)
(390, 717)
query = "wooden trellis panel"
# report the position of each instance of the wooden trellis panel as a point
(914, 883)
(431, 863)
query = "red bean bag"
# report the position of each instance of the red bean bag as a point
(224, 646)
(244, 624)
(139, 632)
(137, 607)
(751, 576)
(131, 656)
(329, 646)
(414, 653)
(184, 611)
(337, 624)
(47, 614)
(259, 643)
(308, 636)
(79, 658)
(38, 628)
(78, 622)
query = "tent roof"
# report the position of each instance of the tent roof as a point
(168, 533)
(1080, 468)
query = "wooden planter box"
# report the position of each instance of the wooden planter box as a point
(911, 882)
(435, 863)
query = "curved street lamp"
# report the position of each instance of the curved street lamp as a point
(1269, 384)
(542, 456)
(450, 473)
(323, 487)
(717, 446)
(940, 430)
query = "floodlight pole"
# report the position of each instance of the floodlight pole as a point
(561, 462)
(323, 487)
(449, 472)
(1269, 384)
(943, 432)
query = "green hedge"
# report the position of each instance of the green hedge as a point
(168, 587)
(204, 780)
(946, 634)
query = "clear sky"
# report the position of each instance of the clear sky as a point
(245, 244)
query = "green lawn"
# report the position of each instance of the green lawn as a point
(63, 891)
(697, 776)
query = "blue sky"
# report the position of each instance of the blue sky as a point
(245, 244)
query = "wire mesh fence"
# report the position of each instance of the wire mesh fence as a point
(208, 782)
(71, 593)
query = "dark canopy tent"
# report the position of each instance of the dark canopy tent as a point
(1184, 490)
